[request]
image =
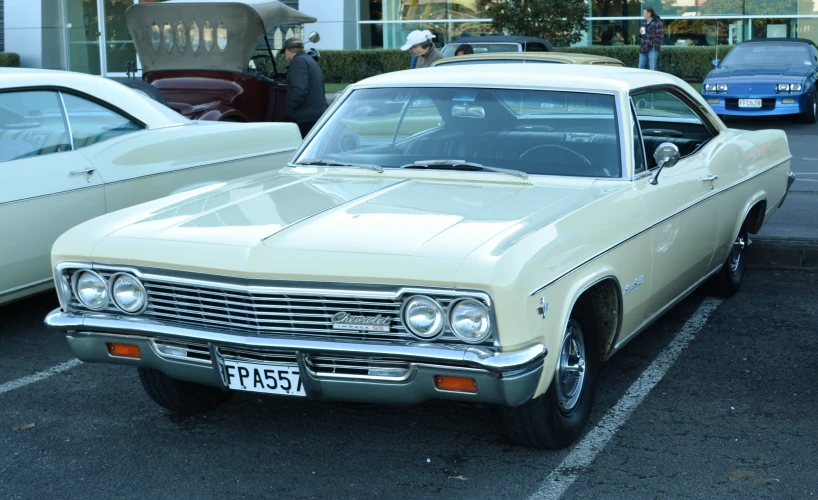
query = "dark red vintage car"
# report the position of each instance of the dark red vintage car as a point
(198, 57)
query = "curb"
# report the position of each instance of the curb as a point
(783, 253)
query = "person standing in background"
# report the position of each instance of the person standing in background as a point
(420, 44)
(652, 32)
(306, 100)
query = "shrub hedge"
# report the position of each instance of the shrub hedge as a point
(9, 60)
(688, 63)
(350, 66)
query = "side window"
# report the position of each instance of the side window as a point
(814, 52)
(92, 123)
(639, 163)
(31, 124)
(664, 117)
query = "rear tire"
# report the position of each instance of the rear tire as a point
(185, 398)
(557, 418)
(728, 281)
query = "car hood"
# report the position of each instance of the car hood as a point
(778, 73)
(345, 226)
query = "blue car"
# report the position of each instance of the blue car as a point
(765, 77)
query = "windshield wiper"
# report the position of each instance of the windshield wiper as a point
(333, 163)
(463, 163)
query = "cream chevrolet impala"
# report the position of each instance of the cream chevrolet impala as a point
(74, 146)
(433, 237)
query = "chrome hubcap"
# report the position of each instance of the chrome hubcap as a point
(570, 368)
(735, 253)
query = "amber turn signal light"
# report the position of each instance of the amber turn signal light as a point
(457, 384)
(124, 350)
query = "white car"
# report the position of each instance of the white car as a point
(76, 146)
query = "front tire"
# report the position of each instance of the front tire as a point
(184, 398)
(810, 115)
(557, 418)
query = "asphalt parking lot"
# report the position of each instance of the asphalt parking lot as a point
(715, 400)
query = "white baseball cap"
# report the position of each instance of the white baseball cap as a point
(417, 37)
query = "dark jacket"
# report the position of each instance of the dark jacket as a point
(306, 100)
(654, 34)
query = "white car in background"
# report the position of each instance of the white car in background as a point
(76, 146)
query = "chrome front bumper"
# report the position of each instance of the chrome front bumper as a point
(508, 378)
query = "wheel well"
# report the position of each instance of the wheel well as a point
(599, 311)
(756, 216)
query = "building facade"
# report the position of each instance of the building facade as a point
(91, 35)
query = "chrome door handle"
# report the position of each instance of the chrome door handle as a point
(87, 171)
(710, 178)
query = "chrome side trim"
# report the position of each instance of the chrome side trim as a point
(25, 287)
(618, 344)
(658, 223)
(66, 120)
(208, 164)
(457, 355)
(59, 193)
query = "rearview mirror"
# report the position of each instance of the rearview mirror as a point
(666, 155)
(314, 37)
(715, 63)
(466, 111)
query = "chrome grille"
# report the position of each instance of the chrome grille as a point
(270, 314)
(257, 356)
(358, 367)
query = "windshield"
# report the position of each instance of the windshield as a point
(774, 53)
(532, 131)
(482, 48)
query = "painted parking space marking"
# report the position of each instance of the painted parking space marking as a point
(584, 453)
(30, 379)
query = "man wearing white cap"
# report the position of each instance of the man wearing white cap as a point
(419, 43)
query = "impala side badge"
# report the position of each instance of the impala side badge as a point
(633, 286)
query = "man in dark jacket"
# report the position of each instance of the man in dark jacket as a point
(306, 100)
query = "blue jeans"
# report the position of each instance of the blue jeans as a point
(651, 57)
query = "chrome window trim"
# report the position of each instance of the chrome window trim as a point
(358, 86)
(658, 223)
(66, 121)
(641, 139)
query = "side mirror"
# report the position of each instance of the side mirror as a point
(314, 37)
(666, 155)
(715, 63)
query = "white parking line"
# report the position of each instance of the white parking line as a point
(22, 382)
(592, 444)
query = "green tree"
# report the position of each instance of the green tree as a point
(561, 22)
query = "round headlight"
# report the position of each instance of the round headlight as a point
(423, 317)
(129, 294)
(470, 320)
(91, 290)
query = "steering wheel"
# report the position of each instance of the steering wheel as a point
(562, 151)
(265, 57)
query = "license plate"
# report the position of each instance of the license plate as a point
(749, 103)
(267, 378)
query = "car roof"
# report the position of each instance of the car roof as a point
(569, 76)
(141, 107)
(571, 57)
